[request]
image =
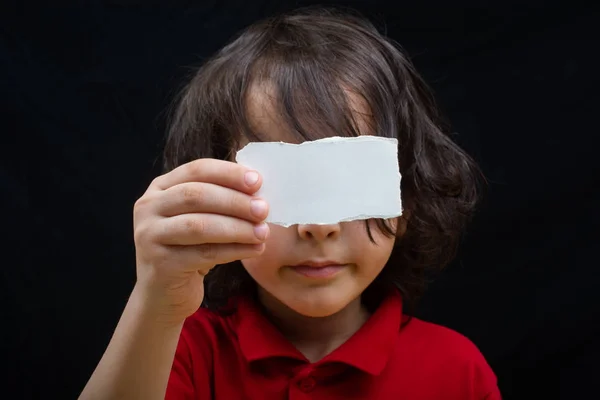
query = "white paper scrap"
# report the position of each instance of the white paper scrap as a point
(327, 181)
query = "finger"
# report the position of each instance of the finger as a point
(193, 229)
(197, 257)
(218, 172)
(195, 197)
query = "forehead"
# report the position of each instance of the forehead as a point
(266, 116)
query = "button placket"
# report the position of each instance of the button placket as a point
(304, 379)
(307, 384)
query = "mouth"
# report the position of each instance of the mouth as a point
(318, 269)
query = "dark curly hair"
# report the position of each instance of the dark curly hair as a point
(312, 58)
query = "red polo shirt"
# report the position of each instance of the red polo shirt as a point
(243, 356)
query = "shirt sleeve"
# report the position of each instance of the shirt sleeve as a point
(486, 383)
(190, 374)
(181, 386)
(493, 395)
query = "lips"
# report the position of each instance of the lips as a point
(318, 269)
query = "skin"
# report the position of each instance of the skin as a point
(189, 220)
(202, 214)
(317, 315)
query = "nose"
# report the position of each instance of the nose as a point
(319, 232)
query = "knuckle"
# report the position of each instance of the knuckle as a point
(141, 233)
(142, 209)
(195, 226)
(159, 182)
(156, 181)
(192, 195)
(208, 251)
(238, 231)
(232, 168)
(238, 204)
(195, 168)
(141, 204)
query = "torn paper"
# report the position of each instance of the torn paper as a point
(328, 180)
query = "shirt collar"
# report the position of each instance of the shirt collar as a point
(368, 349)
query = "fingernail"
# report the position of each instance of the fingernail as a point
(251, 178)
(258, 208)
(261, 231)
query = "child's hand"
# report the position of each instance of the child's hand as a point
(190, 219)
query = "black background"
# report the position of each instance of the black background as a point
(83, 93)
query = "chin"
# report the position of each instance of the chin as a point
(316, 312)
(316, 308)
(314, 303)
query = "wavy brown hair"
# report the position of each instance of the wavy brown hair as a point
(313, 58)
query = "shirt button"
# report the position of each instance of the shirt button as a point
(307, 384)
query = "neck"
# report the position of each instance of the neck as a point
(315, 337)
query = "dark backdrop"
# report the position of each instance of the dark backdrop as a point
(82, 99)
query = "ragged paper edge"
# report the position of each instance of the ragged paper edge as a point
(334, 139)
(360, 217)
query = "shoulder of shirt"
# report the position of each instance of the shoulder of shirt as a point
(419, 336)
(207, 327)
(444, 342)
(444, 350)
(204, 318)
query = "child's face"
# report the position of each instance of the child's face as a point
(346, 243)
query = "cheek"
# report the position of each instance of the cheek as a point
(366, 252)
(358, 231)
